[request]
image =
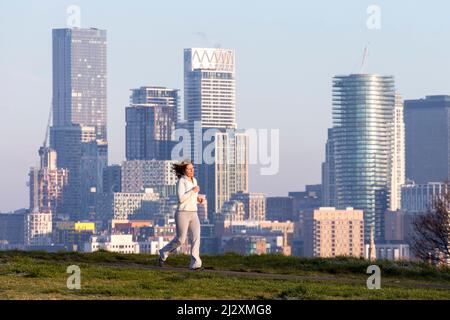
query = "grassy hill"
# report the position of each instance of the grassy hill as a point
(104, 275)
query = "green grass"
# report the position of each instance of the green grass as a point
(41, 275)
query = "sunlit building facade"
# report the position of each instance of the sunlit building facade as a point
(363, 132)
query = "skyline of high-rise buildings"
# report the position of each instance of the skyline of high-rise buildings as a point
(216, 89)
(135, 61)
(364, 165)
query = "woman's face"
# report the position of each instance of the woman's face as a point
(189, 172)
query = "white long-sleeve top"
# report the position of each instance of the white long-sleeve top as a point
(187, 198)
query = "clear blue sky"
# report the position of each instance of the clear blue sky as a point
(286, 55)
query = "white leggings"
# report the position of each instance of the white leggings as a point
(186, 221)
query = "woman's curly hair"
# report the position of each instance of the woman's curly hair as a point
(180, 168)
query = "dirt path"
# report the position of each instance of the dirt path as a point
(343, 279)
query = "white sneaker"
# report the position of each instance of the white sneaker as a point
(195, 264)
(198, 269)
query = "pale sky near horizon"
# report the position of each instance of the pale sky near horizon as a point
(286, 55)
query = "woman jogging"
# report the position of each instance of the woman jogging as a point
(186, 218)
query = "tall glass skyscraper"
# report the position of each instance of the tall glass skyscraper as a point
(151, 119)
(209, 87)
(427, 130)
(230, 167)
(79, 78)
(67, 141)
(398, 156)
(328, 178)
(209, 93)
(79, 134)
(363, 133)
(85, 158)
(210, 103)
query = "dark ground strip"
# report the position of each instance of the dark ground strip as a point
(278, 276)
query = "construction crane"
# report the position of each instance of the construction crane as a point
(35, 172)
(43, 149)
(47, 129)
(48, 126)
